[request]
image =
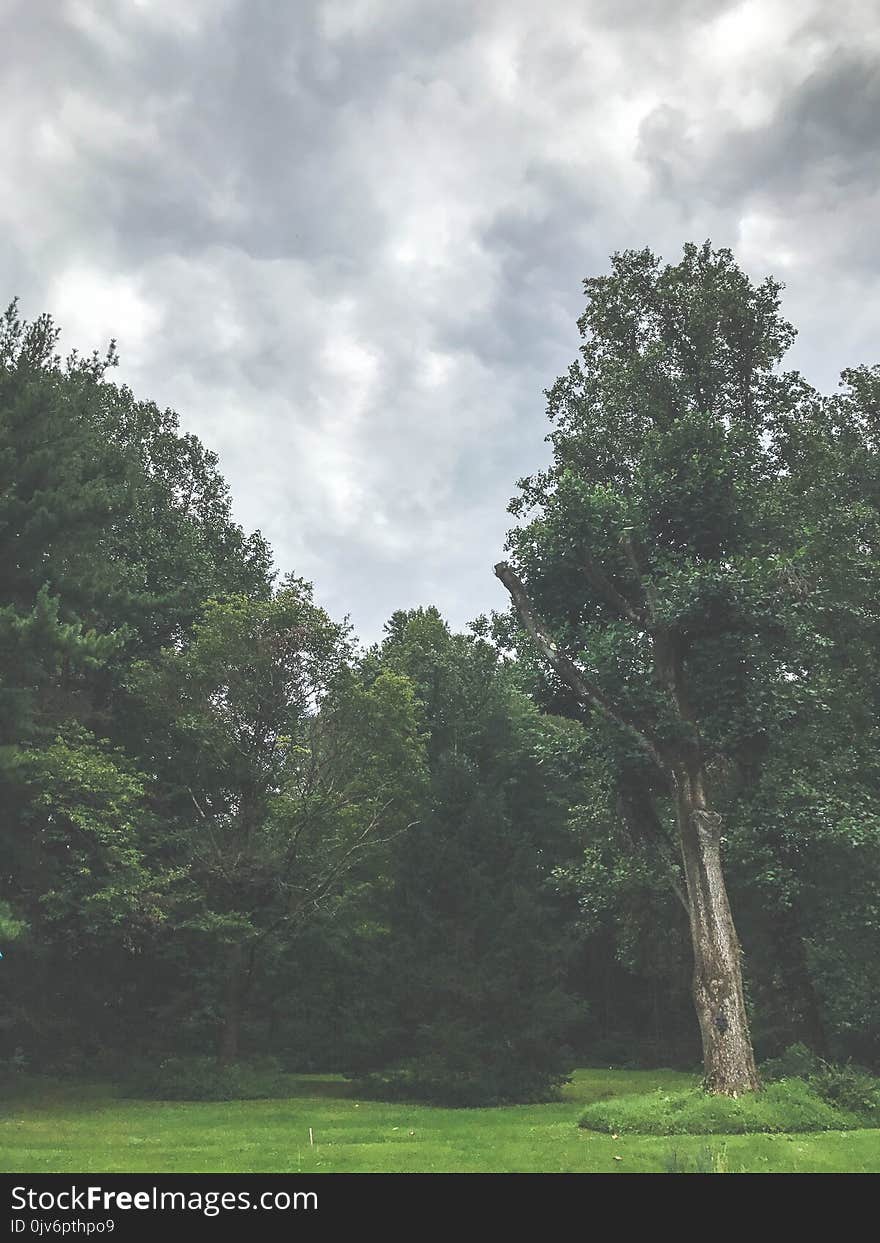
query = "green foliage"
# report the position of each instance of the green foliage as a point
(789, 1105)
(114, 527)
(84, 867)
(478, 1083)
(796, 1062)
(846, 1087)
(204, 1079)
(849, 1087)
(10, 927)
(284, 772)
(660, 507)
(476, 929)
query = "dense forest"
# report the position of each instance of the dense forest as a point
(635, 820)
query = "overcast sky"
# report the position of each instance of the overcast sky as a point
(345, 240)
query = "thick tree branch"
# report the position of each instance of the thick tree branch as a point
(196, 804)
(585, 690)
(604, 587)
(636, 808)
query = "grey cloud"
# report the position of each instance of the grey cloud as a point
(823, 137)
(346, 238)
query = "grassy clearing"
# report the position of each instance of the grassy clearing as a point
(46, 1126)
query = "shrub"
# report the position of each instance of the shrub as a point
(204, 1079)
(848, 1087)
(435, 1082)
(790, 1105)
(797, 1062)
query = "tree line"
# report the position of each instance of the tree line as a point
(635, 819)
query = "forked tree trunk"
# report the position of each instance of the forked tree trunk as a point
(728, 1059)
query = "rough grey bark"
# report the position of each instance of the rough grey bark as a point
(728, 1058)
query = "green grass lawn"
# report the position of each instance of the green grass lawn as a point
(49, 1126)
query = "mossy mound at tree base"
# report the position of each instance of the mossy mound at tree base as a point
(789, 1106)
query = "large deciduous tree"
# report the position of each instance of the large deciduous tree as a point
(281, 770)
(654, 574)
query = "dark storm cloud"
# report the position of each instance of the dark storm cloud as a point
(347, 239)
(822, 138)
(825, 132)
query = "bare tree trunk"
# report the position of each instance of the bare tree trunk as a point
(728, 1059)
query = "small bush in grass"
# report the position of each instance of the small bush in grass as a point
(204, 1079)
(797, 1062)
(433, 1081)
(790, 1105)
(848, 1087)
